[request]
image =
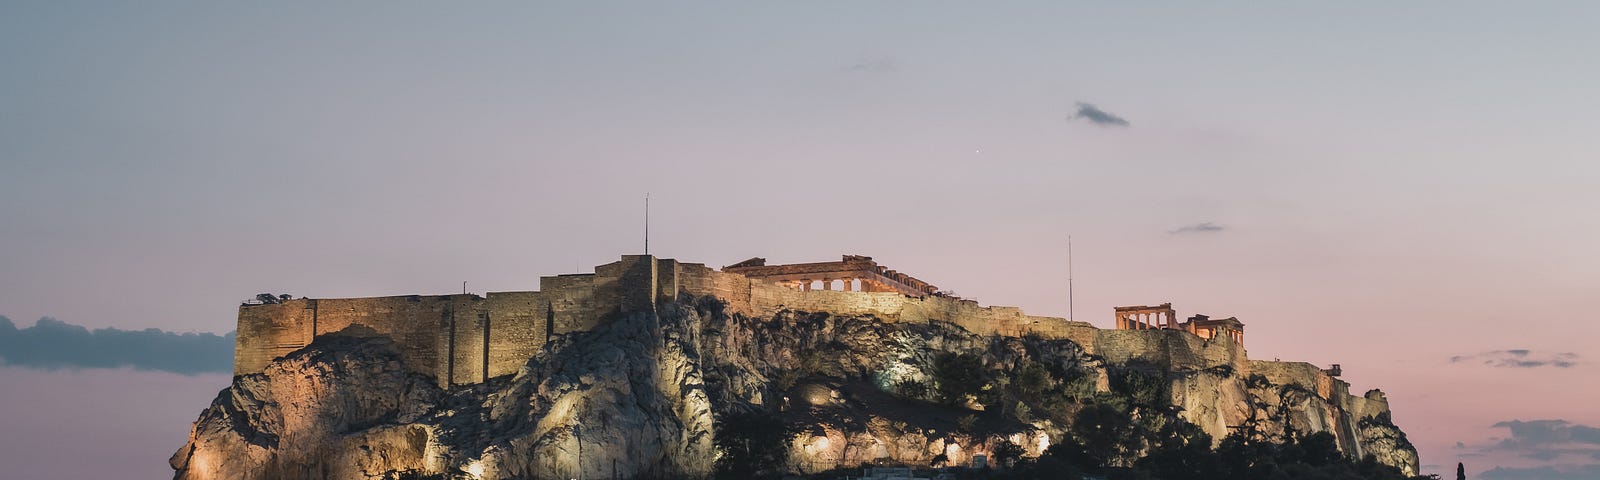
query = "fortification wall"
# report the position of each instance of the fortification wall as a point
(1174, 349)
(462, 339)
(1372, 404)
(759, 299)
(698, 280)
(573, 302)
(519, 325)
(416, 323)
(1306, 375)
(266, 332)
(467, 342)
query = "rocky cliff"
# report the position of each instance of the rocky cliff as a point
(645, 394)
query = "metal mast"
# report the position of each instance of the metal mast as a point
(646, 223)
(1070, 315)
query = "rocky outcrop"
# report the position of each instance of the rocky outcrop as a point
(641, 396)
(343, 408)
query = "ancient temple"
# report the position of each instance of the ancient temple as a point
(1162, 316)
(854, 273)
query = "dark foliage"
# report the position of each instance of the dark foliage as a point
(1142, 388)
(1007, 453)
(957, 376)
(753, 445)
(1107, 434)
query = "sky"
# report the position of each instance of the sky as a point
(1406, 189)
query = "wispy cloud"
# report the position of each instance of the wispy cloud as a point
(52, 344)
(1099, 117)
(1202, 227)
(1519, 358)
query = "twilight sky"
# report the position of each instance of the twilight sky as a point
(1409, 190)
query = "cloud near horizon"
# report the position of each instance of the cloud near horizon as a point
(1519, 358)
(1202, 227)
(52, 344)
(1099, 117)
(1570, 450)
(1567, 472)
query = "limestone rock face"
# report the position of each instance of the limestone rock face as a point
(343, 408)
(626, 401)
(640, 396)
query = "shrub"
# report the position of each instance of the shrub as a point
(909, 388)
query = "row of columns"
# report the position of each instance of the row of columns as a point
(1213, 332)
(827, 284)
(1145, 320)
(1236, 335)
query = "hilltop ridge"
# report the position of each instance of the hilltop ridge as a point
(645, 368)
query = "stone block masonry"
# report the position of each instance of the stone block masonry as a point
(466, 338)
(463, 339)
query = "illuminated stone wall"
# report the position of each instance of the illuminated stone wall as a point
(518, 324)
(458, 339)
(1171, 349)
(464, 339)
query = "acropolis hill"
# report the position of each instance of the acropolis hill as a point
(628, 372)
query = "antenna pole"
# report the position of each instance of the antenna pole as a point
(1070, 315)
(646, 223)
(463, 287)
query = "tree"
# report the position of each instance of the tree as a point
(1107, 434)
(753, 445)
(1461, 471)
(1319, 449)
(957, 376)
(1143, 388)
(1182, 450)
(1033, 380)
(1006, 453)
